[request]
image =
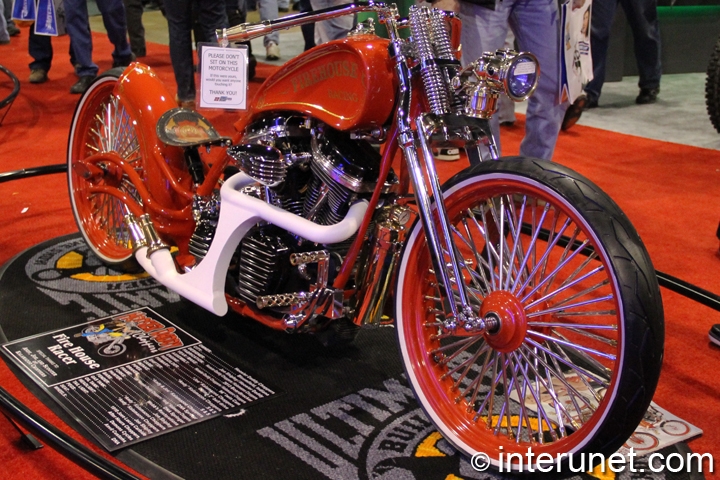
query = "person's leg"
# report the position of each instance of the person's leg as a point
(4, 35)
(9, 22)
(484, 30)
(212, 17)
(113, 17)
(41, 51)
(603, 13)
(643, 19)
(536, 24)
(335, 28)
(179, 18)
(135, 27)
(269, 11)
(308, 30)
(78, 28)
(237, 14)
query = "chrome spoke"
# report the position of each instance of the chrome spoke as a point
(574, 305)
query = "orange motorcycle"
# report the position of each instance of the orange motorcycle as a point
(527, 310)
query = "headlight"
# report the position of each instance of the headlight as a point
(521, 77)
(515, 74)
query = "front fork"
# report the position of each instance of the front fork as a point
(426, 185)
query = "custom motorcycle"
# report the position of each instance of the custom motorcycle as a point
(527, 310)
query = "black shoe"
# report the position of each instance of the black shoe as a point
(591, 103)
(82, 84)
(13, 30)
(574, 112)
(647, 95)
(714, 334)
(125, 61)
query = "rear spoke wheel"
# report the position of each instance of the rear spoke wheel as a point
(101, 124)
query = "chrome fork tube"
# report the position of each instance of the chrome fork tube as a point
(437, 241)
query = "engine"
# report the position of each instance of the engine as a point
(311, 170)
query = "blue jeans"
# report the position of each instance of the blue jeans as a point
(536, 25)
(41, 50)
(642, 16)
(269, 11)
(4, 36)
(78, 28)
(179, 14)
(335, 28)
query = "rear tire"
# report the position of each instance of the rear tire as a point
(580, 311)
(101, 124)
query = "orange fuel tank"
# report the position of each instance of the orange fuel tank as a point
(348, 84)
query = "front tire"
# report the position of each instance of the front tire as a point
(575, 361)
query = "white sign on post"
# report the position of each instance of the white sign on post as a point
(223, 77)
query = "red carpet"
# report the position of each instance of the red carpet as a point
(669, 191)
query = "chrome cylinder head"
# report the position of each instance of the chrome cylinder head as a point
(262, 163)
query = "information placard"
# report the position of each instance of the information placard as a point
(133, 376)
(223, 76)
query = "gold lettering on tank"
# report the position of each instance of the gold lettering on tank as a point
(340, 68)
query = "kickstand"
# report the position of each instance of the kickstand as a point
(28, 438)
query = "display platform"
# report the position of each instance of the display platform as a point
(339, 413)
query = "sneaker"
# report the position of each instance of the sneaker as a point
(647, 95)
(574, 112)
(82, 84)
(714, 334)
(272, 51)
(38, 75)
(447, 154)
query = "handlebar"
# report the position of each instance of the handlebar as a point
(248, 31)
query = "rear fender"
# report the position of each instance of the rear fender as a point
(146, 98)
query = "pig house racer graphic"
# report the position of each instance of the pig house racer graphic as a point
(132, 335)
(72, 352)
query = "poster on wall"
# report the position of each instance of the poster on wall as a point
(133, 376)
(577, 68)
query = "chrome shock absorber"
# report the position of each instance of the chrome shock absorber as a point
(444, 53)
(424, 27)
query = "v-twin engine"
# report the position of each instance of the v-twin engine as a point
(311, 170)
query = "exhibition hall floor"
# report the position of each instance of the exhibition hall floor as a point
(659, 162)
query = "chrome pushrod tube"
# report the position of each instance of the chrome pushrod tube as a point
(248, 31)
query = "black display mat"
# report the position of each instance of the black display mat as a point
(343, 413)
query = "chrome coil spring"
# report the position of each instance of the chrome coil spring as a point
(444, 51)
(440, 36)
(436, 89)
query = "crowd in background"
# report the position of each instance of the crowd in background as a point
(488, 25)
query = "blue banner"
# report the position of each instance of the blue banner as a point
(46, 21)
(24, 10)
